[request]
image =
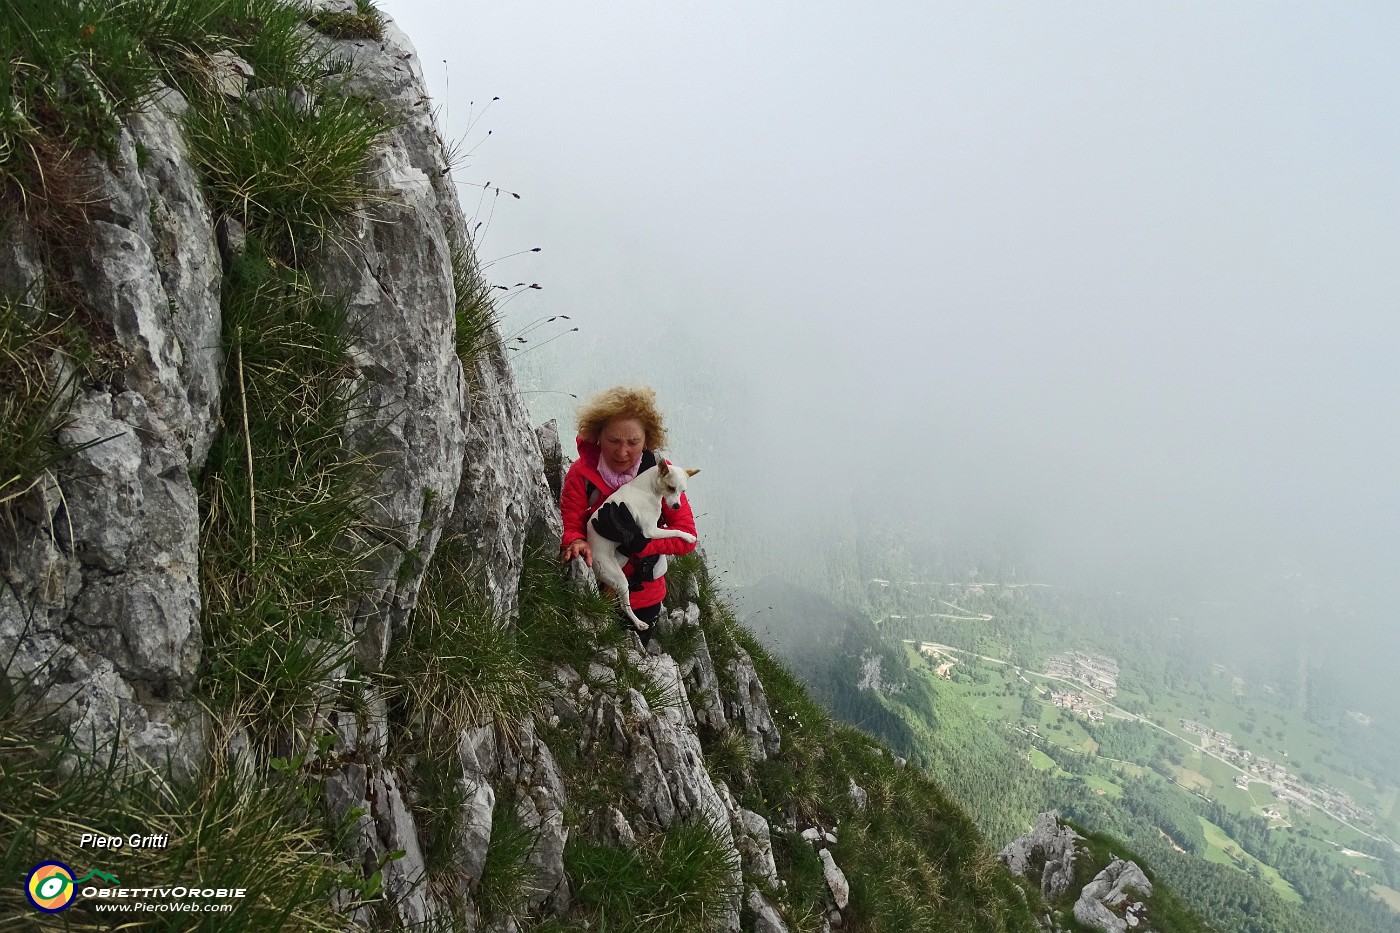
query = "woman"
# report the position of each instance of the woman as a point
(618, 430)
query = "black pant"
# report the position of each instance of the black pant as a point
(649, 615)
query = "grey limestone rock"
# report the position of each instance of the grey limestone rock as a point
(548, 887)
(753, 839)
(747, 705)
(393, 261)
(858, 795)
(835, 879)
(682, 761)
(1050, 849)
(601, 674)
(1113, 899)
(476, 751)
(665, 676)
(616, 831)
(766, 917)
(102, 603)
(190, 268)
(648, 787)
(523, 760)
(228, 74)
(872, 674)
(405, 878)
(385, 825)
(665, 769)
(452, 415)
(699, 674)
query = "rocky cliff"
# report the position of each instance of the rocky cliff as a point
(276, 537)
(1087, 886)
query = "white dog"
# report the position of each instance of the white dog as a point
(642, 498)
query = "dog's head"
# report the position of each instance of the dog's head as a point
(671, 479)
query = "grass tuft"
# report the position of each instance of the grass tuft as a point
(475, 313)
(454, 665)
(365, 23)
(72, 69)
(729, 758)
(560, 624)
(37, 379)
(224, 830)
(75, 68)
(682, 881)
(286, 170)
(507, 876)
(284, 531)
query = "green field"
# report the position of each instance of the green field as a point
(1389, 895)
(1109, 788)
(1193, 781)
(1225, 851)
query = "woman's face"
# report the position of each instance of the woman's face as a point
(622, 440)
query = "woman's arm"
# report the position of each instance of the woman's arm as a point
(679, 518)
(573, 509)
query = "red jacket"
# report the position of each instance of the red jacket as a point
(585, 489)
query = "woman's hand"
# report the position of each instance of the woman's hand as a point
(576, 549)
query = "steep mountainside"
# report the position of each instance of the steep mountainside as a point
(285, 641)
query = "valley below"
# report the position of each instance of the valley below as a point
(1266, 806)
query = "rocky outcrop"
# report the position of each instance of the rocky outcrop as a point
(383, 825)
(528, 765)
(698, 670)
(457, 453)
(458, 447)
(746, 706)
(393, 262)
(1045, 856)
(1115, 901)
(101, 565)
(766, 917)
(835, 879)
(753, 838)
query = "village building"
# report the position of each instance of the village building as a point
(1095, 671)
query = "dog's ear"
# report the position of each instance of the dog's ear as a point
(691, 472)
(662, 467)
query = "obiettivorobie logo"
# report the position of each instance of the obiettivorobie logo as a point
(52, 888)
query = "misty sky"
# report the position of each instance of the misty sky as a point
(1119, 280)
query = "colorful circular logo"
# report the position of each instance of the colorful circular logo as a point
(50, 887)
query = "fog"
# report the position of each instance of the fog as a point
(1113, 285)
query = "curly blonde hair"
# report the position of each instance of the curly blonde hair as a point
(623, 402)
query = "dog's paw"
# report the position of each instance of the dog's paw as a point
(641, 626)
(688, 538)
